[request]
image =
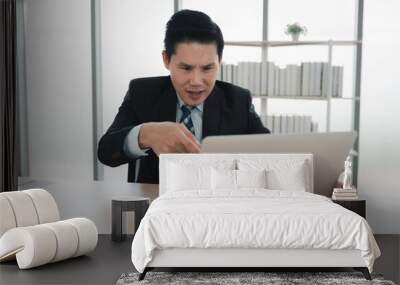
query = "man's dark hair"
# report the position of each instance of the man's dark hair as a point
(192, 26)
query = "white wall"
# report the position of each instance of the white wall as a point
(132, 34)
(379, 168)
(58, 75)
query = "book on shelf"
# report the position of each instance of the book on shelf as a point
(314, 127)
(230, 73)
(235, 74)
(340, 82)
(225, 73)
(276, 120)
(270, 123)
(290, 124)
(291, 80)
(264, 78)
(296, 124)
(219, 74)
(298, 81)
(271, 79)
(339, 197)
(334, 81)
(344, 194)
(286, 82)
(344, 191)
(267, 79)
(276, 81)
(240, 78)
(305, 78)
(258, 79)
(318, 78)
(284, 123)
(251, 77)
(311, 79)
(307, 124)
(325, 79)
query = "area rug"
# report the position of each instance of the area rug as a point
(269, 278)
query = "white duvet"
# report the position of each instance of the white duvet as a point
(252, 218)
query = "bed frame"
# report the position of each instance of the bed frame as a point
(243, 259)
(246, 258)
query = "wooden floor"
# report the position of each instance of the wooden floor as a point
(110, 260)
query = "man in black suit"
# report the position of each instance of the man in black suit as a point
(174, 113)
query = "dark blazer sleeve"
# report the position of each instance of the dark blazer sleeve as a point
(255, 126)
(110, 148)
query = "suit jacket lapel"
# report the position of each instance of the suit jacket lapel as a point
(212, 113)
(166, 105)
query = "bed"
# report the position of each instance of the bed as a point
(247, 210)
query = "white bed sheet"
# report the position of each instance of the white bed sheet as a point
(252, 218)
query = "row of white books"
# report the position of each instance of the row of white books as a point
(344, 194)
(267, 79)
(278, 124)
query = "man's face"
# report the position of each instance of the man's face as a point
(193, 68)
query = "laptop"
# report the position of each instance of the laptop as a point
(329, 151)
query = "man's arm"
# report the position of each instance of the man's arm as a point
(111, 145)
(116, 146)
(167, 137)
(131, 144)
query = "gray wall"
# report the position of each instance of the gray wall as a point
(58, 80)
(379, 168)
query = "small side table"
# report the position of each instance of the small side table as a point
(357, 206)
(122, 204)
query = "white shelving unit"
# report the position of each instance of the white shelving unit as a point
(327, 97)
(290, 43)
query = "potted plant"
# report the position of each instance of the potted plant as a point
(295, 30)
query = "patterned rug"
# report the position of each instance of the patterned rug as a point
(243, 278)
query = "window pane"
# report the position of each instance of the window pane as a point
(234, 54)
(341, 115)
(324, 20)
(238, 20)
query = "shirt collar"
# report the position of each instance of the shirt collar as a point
(181, 103)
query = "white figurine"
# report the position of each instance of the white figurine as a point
(348, 174)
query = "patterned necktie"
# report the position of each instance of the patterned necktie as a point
(186, 118)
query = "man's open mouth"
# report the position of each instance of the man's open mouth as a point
(195, 93)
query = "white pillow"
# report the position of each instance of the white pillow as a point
(227, 179)
(282, 174)
(183, 177)
(293, 179)
(223, 179)
(251, 178)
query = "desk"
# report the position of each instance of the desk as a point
(90, 199)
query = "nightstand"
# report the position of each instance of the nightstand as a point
(122, 204)
(357, 206)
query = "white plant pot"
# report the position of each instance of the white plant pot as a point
(295, 37)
